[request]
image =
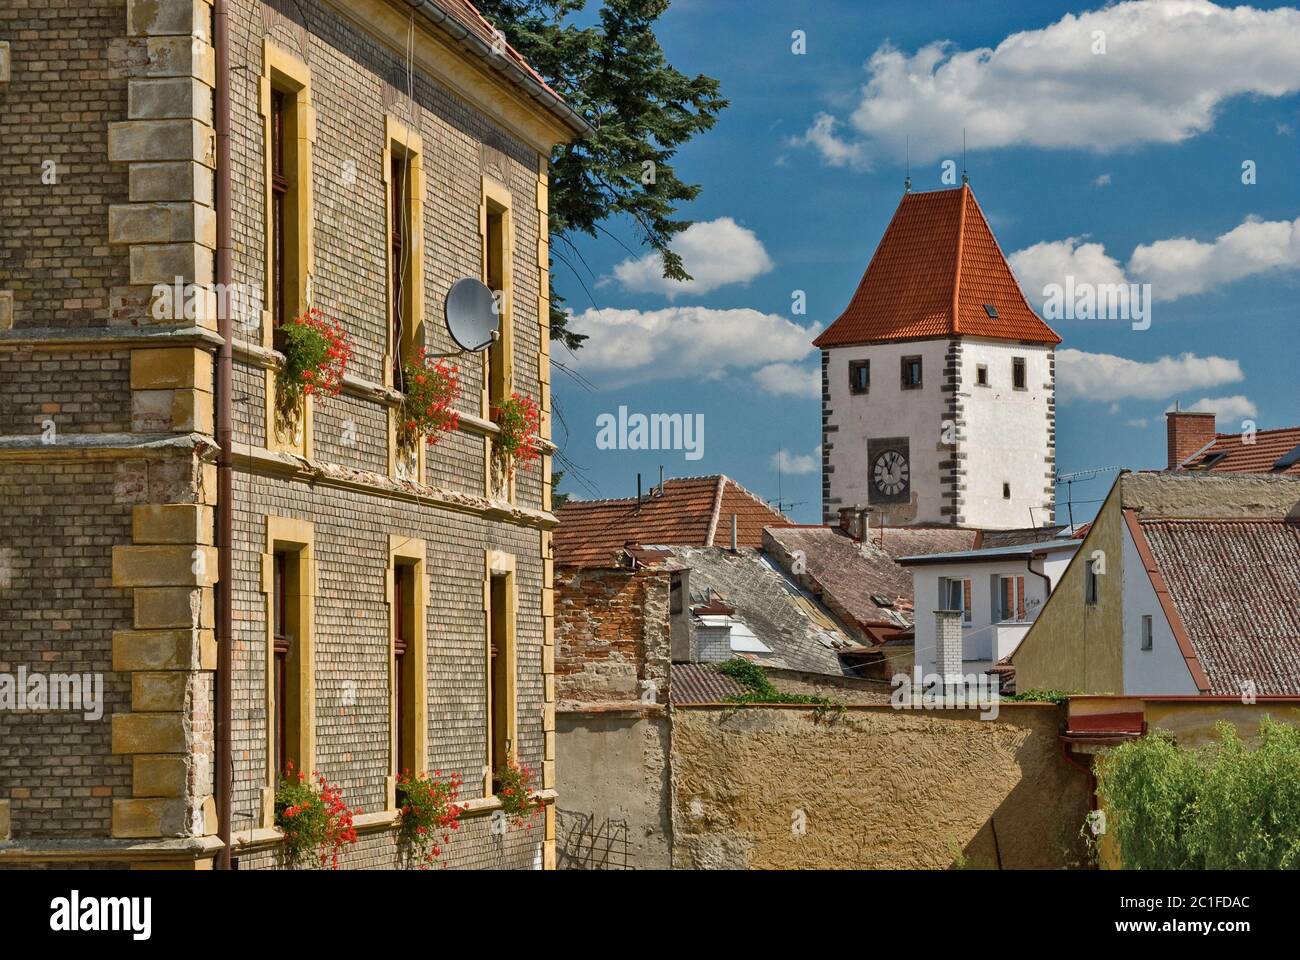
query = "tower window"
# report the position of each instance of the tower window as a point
(1006, 491)
(859, 376)
(1018, 373)
(911, 373)
(1146, 632)
(982, 375)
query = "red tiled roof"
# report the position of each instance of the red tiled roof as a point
(1256, 457)
(1233, 585)
(914, 541)
(845, 575)
(936, 267)
(690, 512)
(469, 16)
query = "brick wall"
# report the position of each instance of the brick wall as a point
(56, 769)
(612, 634)
(98, 543)
(70, 58)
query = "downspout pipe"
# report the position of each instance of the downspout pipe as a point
(1047, 581)
(225, 439)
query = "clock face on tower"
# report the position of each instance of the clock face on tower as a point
(890, 474)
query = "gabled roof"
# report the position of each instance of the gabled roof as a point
(799, 632)
(687, 512)
(468, 27)
(847, 576)
(1232, 585)
(1230, 452)
(936, 268)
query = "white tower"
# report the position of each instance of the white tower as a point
(938, 380)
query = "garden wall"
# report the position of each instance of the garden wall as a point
(873, 787)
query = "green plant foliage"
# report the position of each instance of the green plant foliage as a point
(1222, 806)
(1036, 696)
(610, 70)
(753, 677)
(1248, 807)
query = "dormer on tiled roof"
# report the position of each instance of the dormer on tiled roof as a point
(938, 272)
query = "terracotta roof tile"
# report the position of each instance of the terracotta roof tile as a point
(936, 267)
(845, 575)
(1256, 457)
(914, 541)
(469, 16)
(690, 512)
(1234, 584)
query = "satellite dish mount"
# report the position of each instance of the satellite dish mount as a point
(471, 315)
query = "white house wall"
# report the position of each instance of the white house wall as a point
(1002, 435)
(886, 410)
(1006, 437)
(1162, 669)
(984, 640)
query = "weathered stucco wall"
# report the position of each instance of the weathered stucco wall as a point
(614, 812)
(876, 788)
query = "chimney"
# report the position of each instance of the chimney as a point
(853, 521)
(1187, 433)
(947, 646)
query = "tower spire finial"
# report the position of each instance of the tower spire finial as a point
(964, 179)
(907, 181)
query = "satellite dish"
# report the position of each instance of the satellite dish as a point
(471, 314)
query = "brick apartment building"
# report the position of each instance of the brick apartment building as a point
(367, 155)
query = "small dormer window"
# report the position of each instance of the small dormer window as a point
(991, 310)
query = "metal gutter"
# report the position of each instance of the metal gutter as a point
(225, 438)
(516, 74)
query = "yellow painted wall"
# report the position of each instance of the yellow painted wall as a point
(1074, 646)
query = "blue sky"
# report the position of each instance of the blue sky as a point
(1117, 165)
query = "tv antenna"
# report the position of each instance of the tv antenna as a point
(1078, 476)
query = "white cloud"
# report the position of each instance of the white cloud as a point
(1177, 267)
(714, 252)
(1224, 408)
(1053, 260)
(1105, 377)
(1181, 267)
(790, 380)
(797, 463)
(675, 342)
(834, 149)
(1167, 69)
(1102, 181)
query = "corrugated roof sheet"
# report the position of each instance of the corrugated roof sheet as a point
(697, 683)
(691, 512)
(936, 267)
(1236, 587)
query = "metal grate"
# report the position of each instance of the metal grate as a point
(584, 844)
